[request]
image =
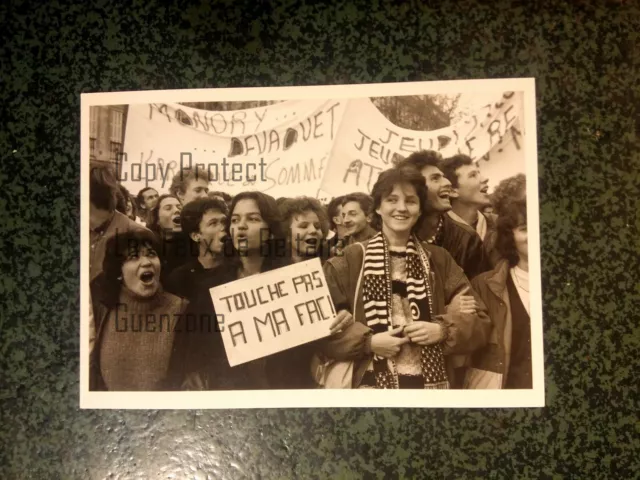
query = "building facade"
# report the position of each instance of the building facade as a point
(106, 133)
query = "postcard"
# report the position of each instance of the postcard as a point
(369, 245)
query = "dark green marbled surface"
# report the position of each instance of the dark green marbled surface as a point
(585, 58)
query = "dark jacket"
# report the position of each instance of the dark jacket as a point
(490, 364)
(464, 244)
(205, 356)
(467, 333)
(175, 251)
(361, 236)
(192, 279)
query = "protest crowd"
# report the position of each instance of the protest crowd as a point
(428, 276)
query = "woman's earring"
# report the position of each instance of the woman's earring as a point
(119, 278)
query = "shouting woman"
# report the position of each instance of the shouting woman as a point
(135, 319)
(253, 231)
(176, 248)
(397, 288)
(306, 226)
(258, 238)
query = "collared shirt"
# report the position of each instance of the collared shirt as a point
(365, 234)
(480, 225)
(521, 282)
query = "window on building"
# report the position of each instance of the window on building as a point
(116, 120)
(93, 124)
(93, 131)
(92, 148)
(115, 152)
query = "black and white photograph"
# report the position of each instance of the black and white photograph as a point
(324, 246)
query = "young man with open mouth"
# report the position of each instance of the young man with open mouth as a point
(204, 221)
(469, 197)
(437, 227)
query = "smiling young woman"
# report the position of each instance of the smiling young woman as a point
(397, 287)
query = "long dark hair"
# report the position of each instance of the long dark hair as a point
(275, 254)
(154, 216)
(509, 200)
(511, 216)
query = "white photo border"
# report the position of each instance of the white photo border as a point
(248, 399)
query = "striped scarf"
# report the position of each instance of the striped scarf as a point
(377, 308)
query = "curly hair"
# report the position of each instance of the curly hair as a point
(389, 179)
(290, 207)
(509, 190)
(511, 216)
(192, 213)
(421, 159)
(154, 216)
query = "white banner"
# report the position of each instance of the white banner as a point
(367, 143)
(321, 148)
(280, 149)
(274, 311)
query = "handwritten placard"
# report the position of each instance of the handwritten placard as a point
(274, 311)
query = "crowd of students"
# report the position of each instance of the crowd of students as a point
(428, 276)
